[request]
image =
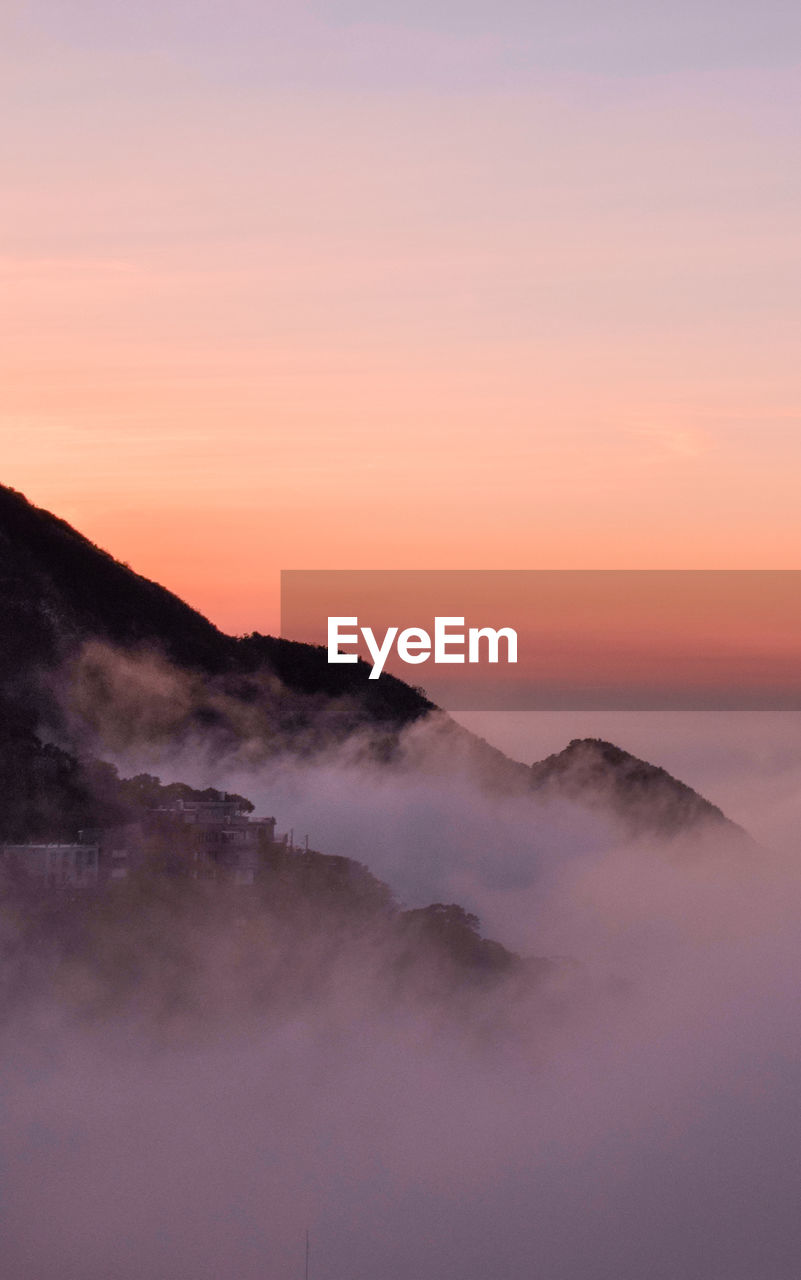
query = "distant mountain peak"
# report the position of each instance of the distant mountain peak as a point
(644, 796)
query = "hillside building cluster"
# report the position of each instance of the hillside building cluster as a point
(216, 840)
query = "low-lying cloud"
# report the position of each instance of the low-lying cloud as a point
(635, 1115)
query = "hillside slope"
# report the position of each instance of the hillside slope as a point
(101, 659)
(58, 592)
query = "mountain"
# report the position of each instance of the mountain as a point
(60, 593)
(98, 658)
(95, 657)
(645, 797)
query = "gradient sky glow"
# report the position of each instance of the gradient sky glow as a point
(394, 286)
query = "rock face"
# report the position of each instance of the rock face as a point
(646, 799)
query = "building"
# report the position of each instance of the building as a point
(226, 843)
(120, 849)
(74, 866)
(206, 839)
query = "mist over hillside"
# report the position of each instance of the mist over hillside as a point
(315, 957)
(101, 661)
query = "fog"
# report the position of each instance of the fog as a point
(638, 1115)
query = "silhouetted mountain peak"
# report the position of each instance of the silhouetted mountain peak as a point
(645, 796)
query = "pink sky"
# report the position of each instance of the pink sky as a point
(330, 287)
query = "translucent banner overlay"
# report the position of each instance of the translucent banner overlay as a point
(646, 640)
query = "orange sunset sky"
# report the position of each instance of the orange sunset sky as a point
(378, 286)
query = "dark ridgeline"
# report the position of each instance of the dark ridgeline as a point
(58, 591)
(59, 594)
(67, 609)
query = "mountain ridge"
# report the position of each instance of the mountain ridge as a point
(58, 590)
(74, 618)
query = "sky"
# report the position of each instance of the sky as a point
(383, 286)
